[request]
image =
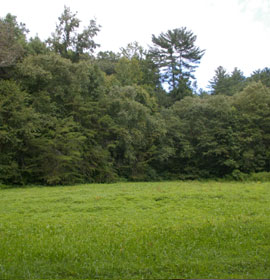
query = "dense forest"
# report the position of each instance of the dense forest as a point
(72, 114)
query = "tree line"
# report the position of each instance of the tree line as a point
(70, 114)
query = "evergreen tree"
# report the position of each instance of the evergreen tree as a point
(262, 76)
(177, 57)
(219, 83)
(225, 83)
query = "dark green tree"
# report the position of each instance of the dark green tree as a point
(18, 131)
(12, 44)
(74, 131)
(177, 57)
(134, 131)
(36, 46)
(200, 139)
(261, 75)
(225, 83)
(219, 83)
(68, 41)
(253, 127)
(107, 61)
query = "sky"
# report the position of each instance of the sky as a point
(233, 33)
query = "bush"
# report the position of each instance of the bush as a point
(237, 175)
(260, 176)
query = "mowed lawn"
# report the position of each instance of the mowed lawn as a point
(159, 230)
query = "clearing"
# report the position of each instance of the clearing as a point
(159, 230)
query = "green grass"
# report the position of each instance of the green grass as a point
(136, 230)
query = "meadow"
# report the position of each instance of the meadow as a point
(157, 230)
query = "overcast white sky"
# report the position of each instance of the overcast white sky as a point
(234, 33)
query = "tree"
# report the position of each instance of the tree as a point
(176, 55)
(107, 61)
(253, 127)
(137, 55)
(133, 50)
(128, 71)
(12, 40)
(18, 130)
(237, 81)
(200, 139)
(68, 42)
(134, 131)
(261, 75)
(133, 66)
(72, 146)
(225, 83)
(36, 46)
(218, 84)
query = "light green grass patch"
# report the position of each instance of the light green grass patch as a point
(136, 230)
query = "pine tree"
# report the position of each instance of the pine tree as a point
(177, 56)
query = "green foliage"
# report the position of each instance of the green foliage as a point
(128, 72)
(66, 95)
(259, 177)
(202, 137)
(12, 40)
(62, 153)
(237, 175)
(68, 42)
(133, 50)
(133, 66)
(13, 45)
(36, 46)
(183, 89)
(68, 117)
(176, 55)
(262, 76)
(227, 84)
(135, 131)
(18, 130)
(253, 119)
(107, 61)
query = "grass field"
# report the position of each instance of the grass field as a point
(160, 230)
